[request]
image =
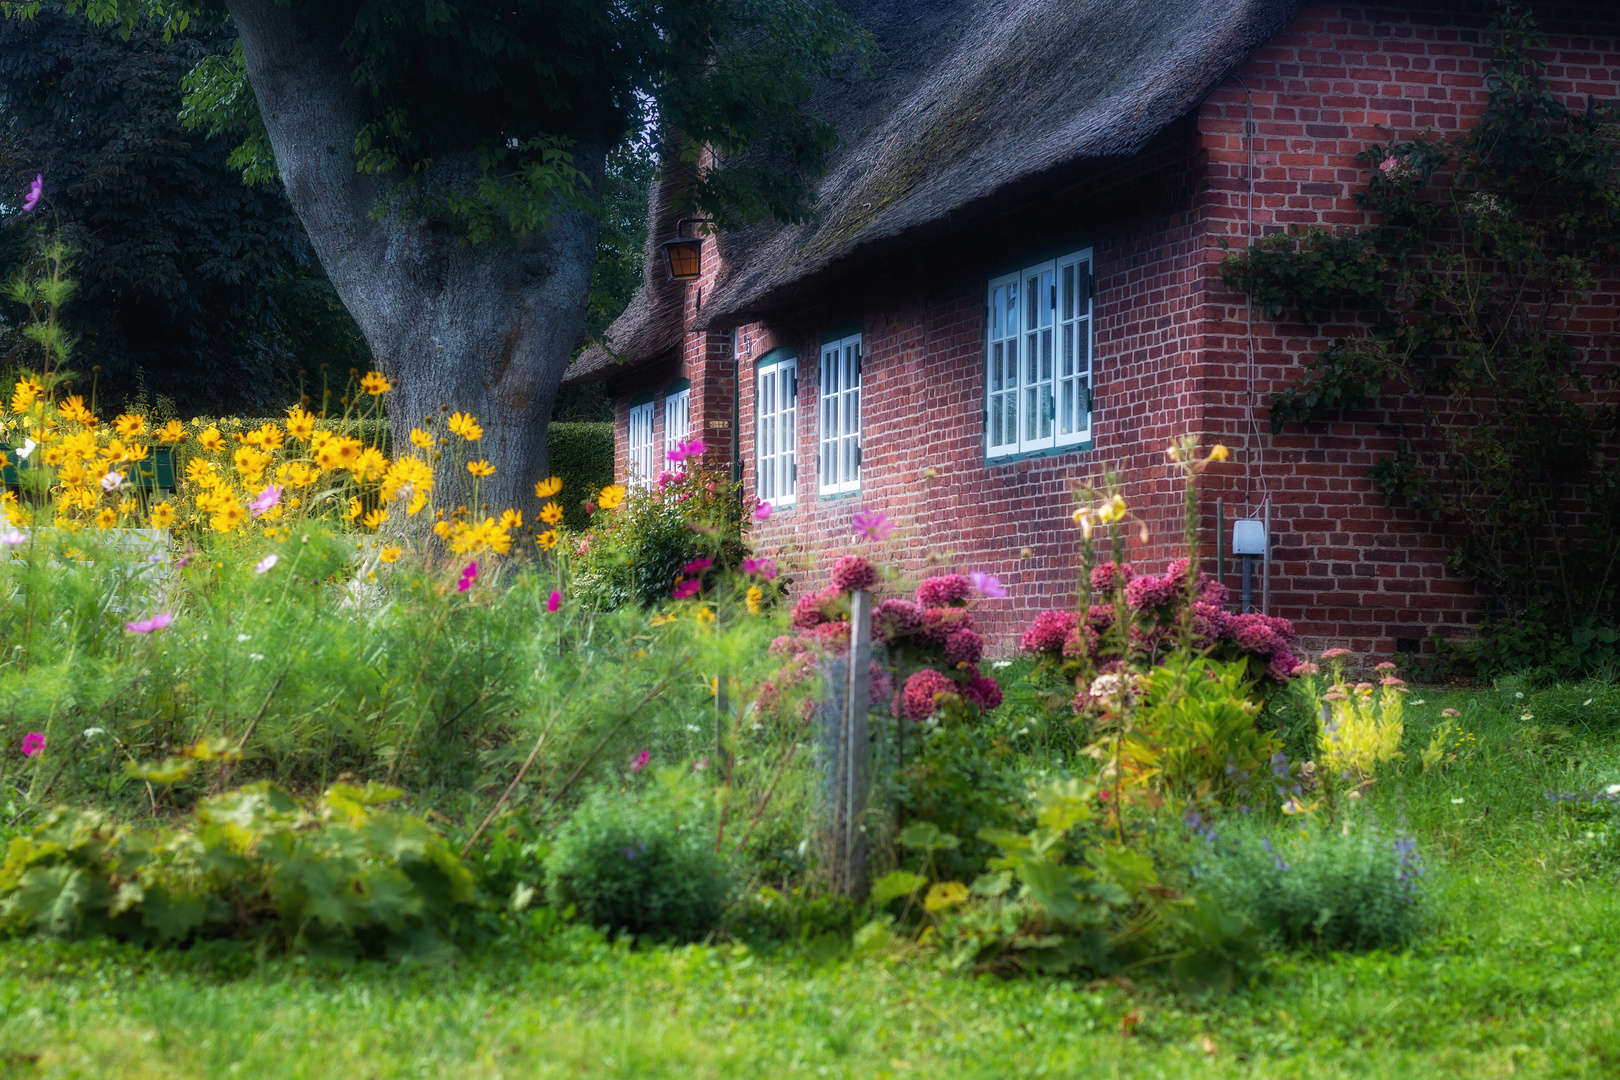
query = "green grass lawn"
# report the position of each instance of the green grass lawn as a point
(1519, 975)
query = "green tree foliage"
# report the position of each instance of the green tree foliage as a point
(1485, 247)
(192, 286)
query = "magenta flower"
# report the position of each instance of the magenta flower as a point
(146, 626)
(684, 450)
(873, 526)
(988, 585)
(640, 762)
(36, 191)
(264, 565)
(764, 569)
(686, 587)
(33, 744)
(697, 566)
(554, 601)
(762, 511)
(266, 500)
(468, 576)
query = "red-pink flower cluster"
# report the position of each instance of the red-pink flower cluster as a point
(944, 590)
(1157, 602)
(853, 573)
(813, 609)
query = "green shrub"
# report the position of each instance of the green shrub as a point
(339, 878)
(1356, 886)
(635, 553)
(629, 863)
(582, 454)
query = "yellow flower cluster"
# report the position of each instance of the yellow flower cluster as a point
(225, 478)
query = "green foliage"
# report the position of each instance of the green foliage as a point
(1351, 886)
(582, 454)
(639, 865)
(1195, 736)
(337, 878)
(189, 286)
(1484, 247)
(636, 555)
(962, 776)
(506, 96)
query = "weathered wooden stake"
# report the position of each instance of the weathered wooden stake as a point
(857, 741)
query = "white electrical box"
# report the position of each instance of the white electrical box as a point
(1248, 536)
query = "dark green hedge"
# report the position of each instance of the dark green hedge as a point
(582, 454)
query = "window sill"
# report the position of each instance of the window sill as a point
(838, 496)
(1035, 455)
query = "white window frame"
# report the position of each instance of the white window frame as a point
(639, 438)
(838, 467)
(1038, 357)
(776, 432)
(677, 421)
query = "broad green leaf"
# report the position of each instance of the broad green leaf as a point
(896, 884)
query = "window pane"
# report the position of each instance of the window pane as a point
(1046, 354)
(1066, 408)
(1032, 301)
(1067, 367)
(1048, 411)
(1068, 291)
(995, 366)
(1048, 298)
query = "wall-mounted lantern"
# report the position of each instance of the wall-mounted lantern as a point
(683, 256)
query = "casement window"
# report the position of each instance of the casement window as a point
(677, 420)
(642, 467)
(776, 431)
(1038, 358)
(840, 400)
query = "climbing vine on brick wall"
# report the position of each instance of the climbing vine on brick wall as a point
(1471, 285)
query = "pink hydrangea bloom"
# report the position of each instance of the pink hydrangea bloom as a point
(896, 619)
(1149, 593)
(917, 699)
(1080, 643)
(813, 609)
(1102, 576)
(963, 647)
(982, 691)
(944, 590)
(853, 573)
(940, 622)
(1048, 632)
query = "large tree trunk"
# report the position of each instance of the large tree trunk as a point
(484, 329)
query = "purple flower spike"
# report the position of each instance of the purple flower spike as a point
(988, 585)
(159, 621)
(36, 191)
(873, 526)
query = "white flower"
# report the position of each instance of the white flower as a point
(111, 481)
(255, 656)
(92, 732)
(1002, 664)
(1456, 802)
(1527, 715)
(1612, 789)
(1518, 693)
(1419, 701)
(1587, 702)
(244, 637)
(27, 448)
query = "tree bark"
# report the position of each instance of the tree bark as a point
(485, 329)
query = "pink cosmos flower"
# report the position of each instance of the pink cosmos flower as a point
(686, 587)
(697, 566)
(554, 601)
(468, 576)
(36, 191)
(873, 526)
(264, 565)
(988, 585)
(146, 626)
(33, 744)
(762, 511)
(12, 537)
(266, 501)
(764, 569)
(641, 761)
(684, 450)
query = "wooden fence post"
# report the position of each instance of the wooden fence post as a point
(857, 741)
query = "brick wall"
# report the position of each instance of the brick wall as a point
(1175, 351)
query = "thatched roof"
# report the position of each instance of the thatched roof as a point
(970, 100)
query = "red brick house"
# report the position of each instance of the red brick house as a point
(1013, 281)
